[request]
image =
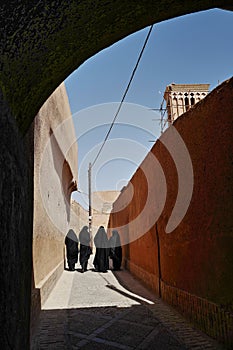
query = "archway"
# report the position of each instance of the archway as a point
(43, 43)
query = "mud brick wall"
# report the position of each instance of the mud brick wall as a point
(196, 257)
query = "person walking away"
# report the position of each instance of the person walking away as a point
(101, 262)
(115, 250)
(85, 249)
(71, 242)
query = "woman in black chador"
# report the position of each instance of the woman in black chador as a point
(85, 249)
(102, 252)
(115, 250)
(71, 242)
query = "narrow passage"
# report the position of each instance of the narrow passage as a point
(110, 311)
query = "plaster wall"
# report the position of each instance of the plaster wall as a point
(102, 205)
(55, 172)
(78, 218)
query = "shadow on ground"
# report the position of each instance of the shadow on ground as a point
(103, 328)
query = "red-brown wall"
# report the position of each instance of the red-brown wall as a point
(196, 258)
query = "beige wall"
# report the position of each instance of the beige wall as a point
(101, 208)
(55, 170)
(79, 217)
(102, 205)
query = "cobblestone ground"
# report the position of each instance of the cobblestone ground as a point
(107, 311)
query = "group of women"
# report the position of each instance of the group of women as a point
(105, 249)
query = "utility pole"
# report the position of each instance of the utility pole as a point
(90, 208)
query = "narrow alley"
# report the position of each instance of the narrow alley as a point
(108, 311)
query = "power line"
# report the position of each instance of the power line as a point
(79, 191)
(124, 95)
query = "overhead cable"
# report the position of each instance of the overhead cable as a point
(124, 95)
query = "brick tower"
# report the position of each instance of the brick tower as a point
(181, 97)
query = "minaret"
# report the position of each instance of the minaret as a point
(181, 97)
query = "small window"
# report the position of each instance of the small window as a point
(186, 101)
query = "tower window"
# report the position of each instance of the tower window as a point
(186, 101)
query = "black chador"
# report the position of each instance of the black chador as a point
(85, 249)
(115, 250)
(101, 262)
(71, 242)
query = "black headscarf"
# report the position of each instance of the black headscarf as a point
(101, 239)
(101, 262)
(71, 242)
(84, 236)
(114, 240)
(115, 250)
(85, 249)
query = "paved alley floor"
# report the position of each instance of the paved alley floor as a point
(110, 311)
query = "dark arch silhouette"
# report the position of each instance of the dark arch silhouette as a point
(44, 42)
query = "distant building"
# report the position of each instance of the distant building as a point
(102, 202)
(181, 97)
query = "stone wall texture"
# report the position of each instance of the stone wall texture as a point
(195, 260)
(16, 233)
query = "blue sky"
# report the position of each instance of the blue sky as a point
(196, 48)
